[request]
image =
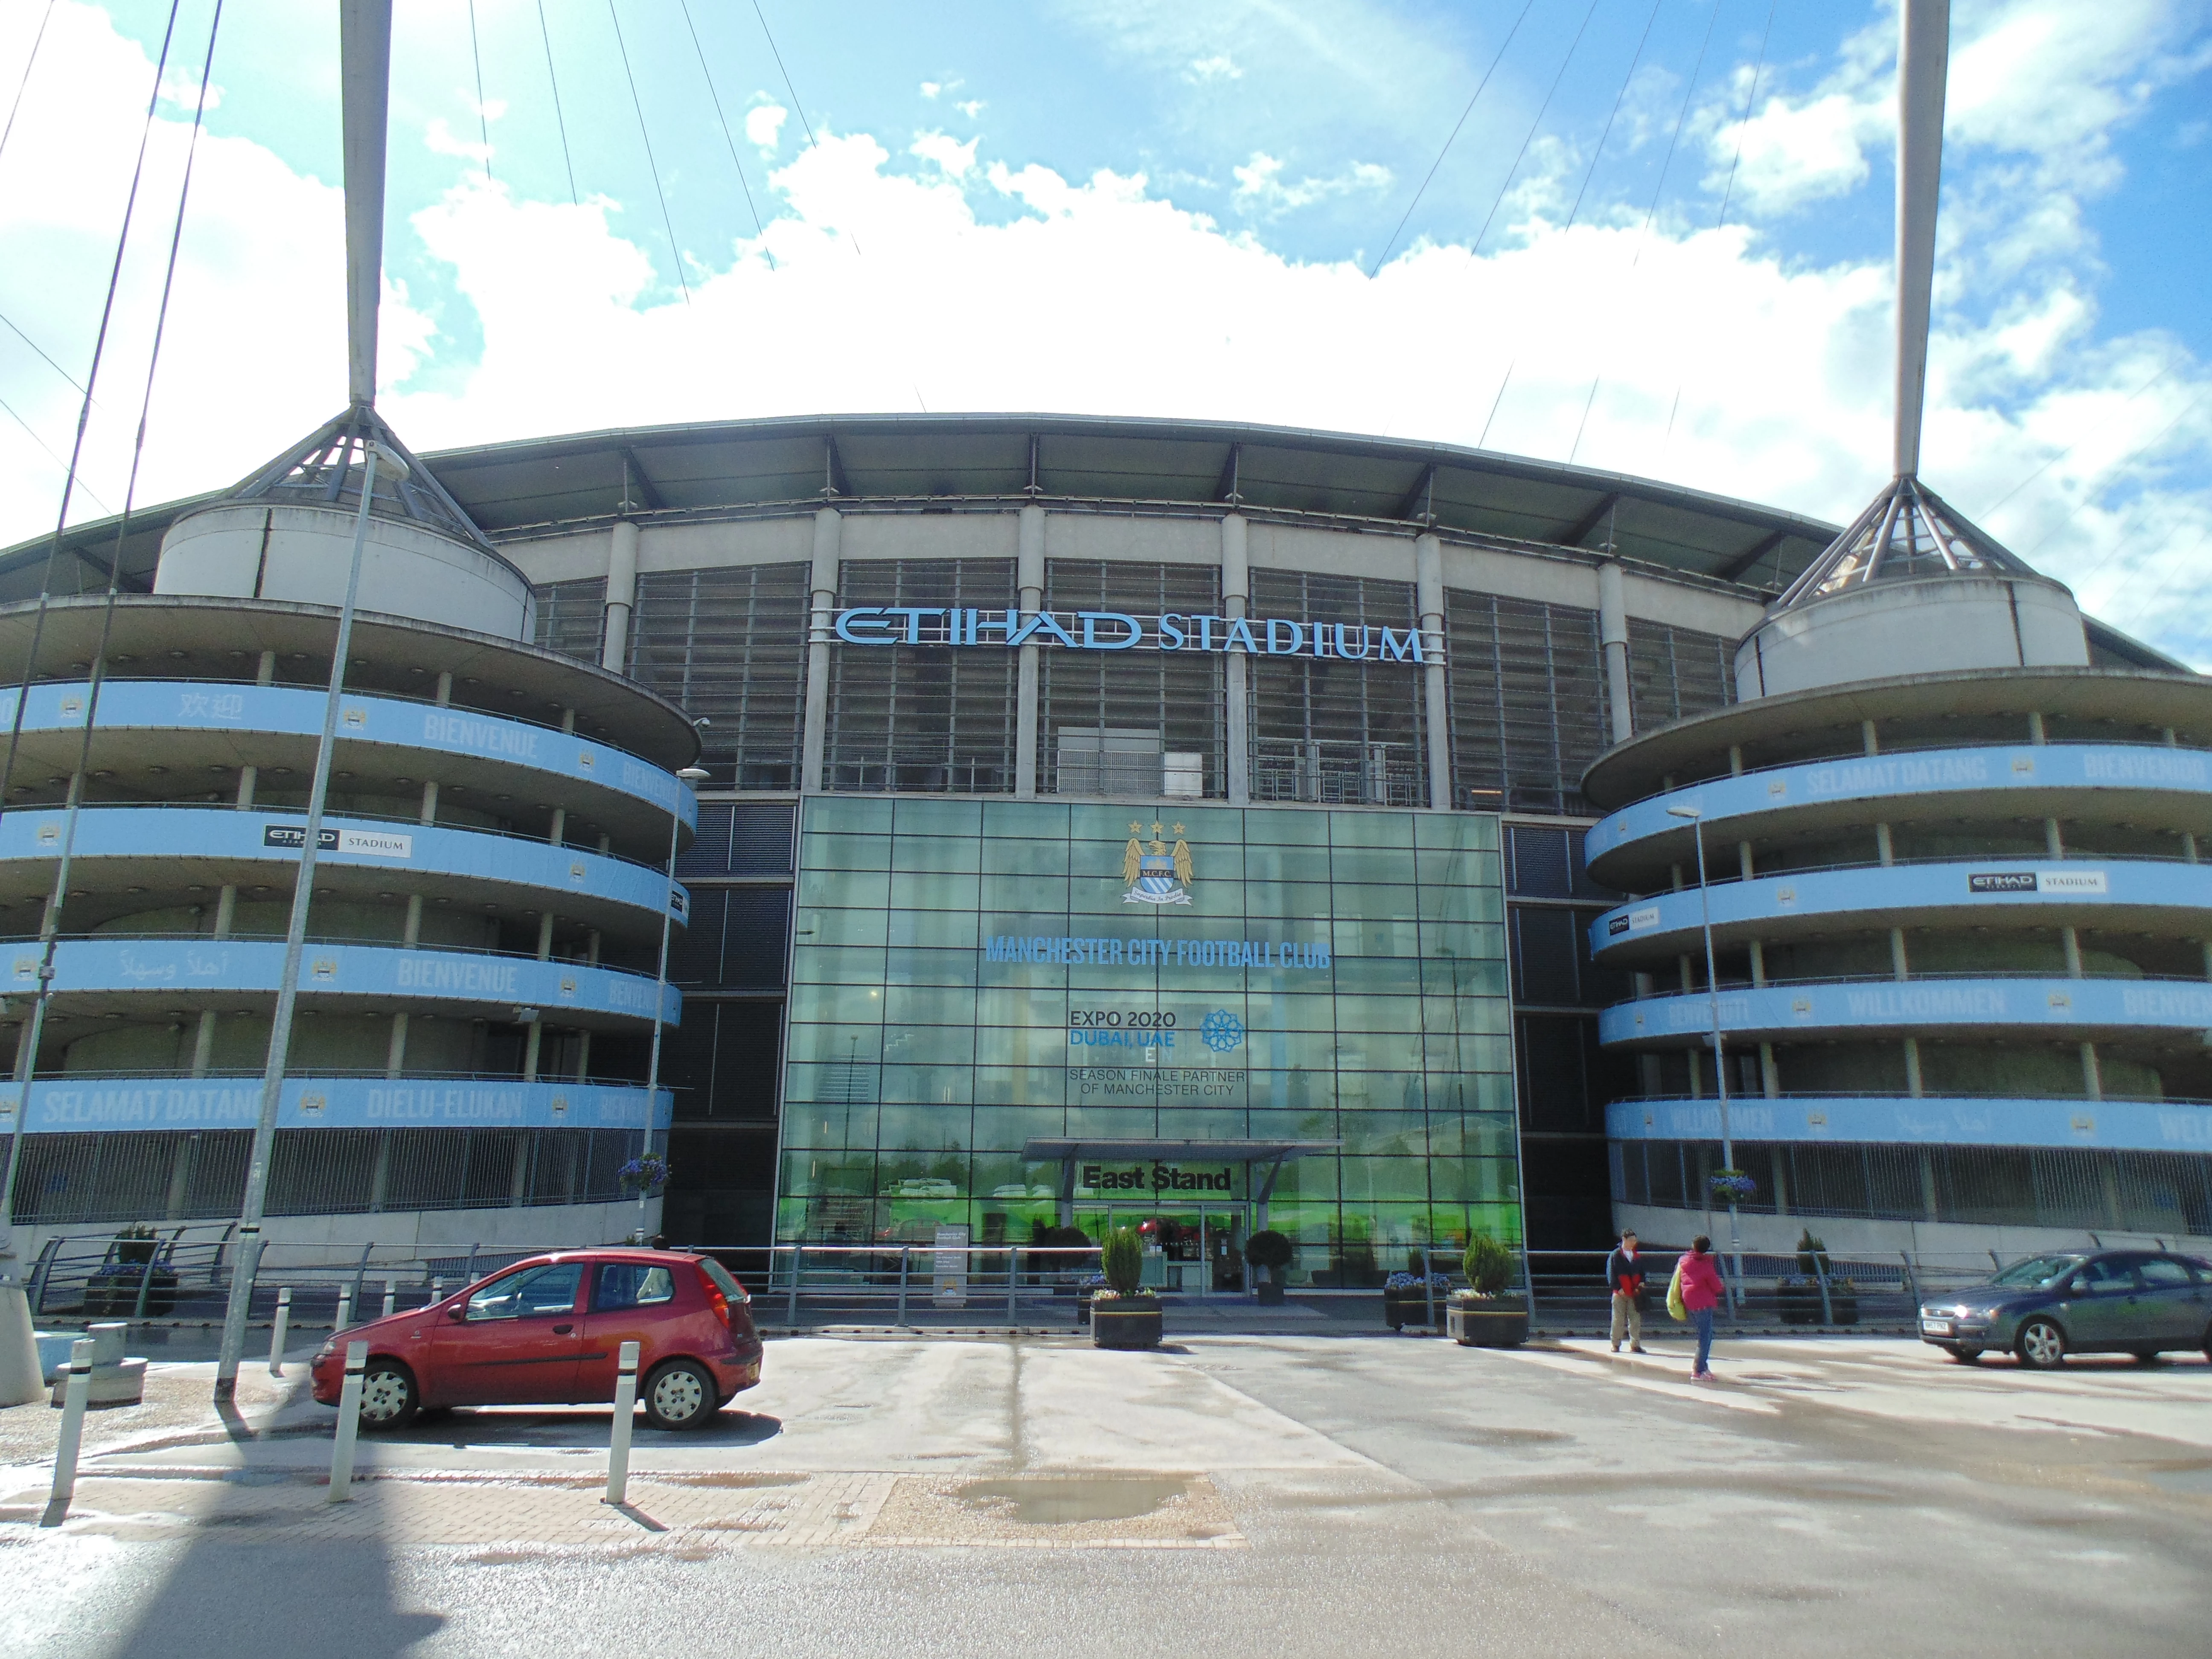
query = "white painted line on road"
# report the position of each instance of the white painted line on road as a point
(1703, 1394)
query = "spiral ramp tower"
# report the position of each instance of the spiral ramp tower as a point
(1961, 930)
(479, 987)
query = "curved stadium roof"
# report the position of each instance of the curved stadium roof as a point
(720, 469)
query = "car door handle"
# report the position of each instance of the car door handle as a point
(562, 1330)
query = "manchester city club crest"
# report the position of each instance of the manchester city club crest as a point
(1155, 875)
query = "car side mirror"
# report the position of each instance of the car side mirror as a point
(458, 1312)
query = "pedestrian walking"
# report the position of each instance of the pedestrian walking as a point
(1624, 1277)
(1700, 1279)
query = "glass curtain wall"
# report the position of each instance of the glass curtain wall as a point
(970, 974)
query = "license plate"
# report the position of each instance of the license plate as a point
(1934, 1328)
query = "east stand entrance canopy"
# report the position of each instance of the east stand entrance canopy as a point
(1158, 1163)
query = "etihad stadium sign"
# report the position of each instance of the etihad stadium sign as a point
(1116, 630)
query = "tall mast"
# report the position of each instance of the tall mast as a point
(364, 75)
(1923, 52)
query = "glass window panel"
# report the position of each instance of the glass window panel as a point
(1356, 1012)
(924, 1129)
(931, 1085)
(1290, 1010)
(1390, 1090)
(1008, 818)
(1113, 1122)
(1401, 1134)
(929, 1005)
(1006, 1128)
(954, 854)
(848, 815)
(1279, 1125)
(821, 852)
(1454, 833)
(854, 890)
(911, 817)
(1000, 1045)
(1384, 1179)
(1286, 864)
(1377, 866)
(1285, 829)
(1396, 975)
(943, 930)
(1467, 1053)
(1292, 1050)
(823, 925)
(835, 964)
(1011, 1005)
(844, 1044)
(912, 891)
(1025, 858)
(829, 1125)
(929, 1045)
(1378, 902)
(1201, 1123)
(1033, 898)
(907, 964)
(1040, 1086)
(1287, 900)
(1375, 939)
(1458, 906)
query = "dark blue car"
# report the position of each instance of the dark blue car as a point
(2145, 1302)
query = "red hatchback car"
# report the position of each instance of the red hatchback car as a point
(546, 1332)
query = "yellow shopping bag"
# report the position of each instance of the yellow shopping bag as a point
(1675, 1311)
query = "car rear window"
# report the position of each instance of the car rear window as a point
(2158, 1272)
(720, 1276)
(632, 1284)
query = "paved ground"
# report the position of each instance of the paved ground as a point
(1240, 1494)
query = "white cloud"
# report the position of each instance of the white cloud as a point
(971, 107)
(1220, 67)
(440, 139)
(931, 89)
(957, 159)
(764, 125)
(1262, 190)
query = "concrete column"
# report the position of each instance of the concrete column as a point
(2054, 844)
(203, 1043)
(1429, 594)
(265, 674)
(1758, 963)
(1744, 866)
(621, 596)
(829, 549)
(429, 811)
(445, 687)
(2070, 942)
(1235, 667)
(2092, 1081)
(1029, 576)
(1899, 967)
(1770, 1074)
(1912, 1067)
(1883, 847)
(1868, 740)
(1613, 638)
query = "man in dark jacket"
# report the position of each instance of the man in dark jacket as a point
(1624, 1277)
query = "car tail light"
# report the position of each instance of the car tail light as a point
(715, 1300)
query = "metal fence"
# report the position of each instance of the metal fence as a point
(184, 1273)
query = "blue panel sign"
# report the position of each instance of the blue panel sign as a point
(67, 1107)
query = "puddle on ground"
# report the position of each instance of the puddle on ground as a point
(1066, 1500)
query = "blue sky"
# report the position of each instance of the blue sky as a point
(1167, 208)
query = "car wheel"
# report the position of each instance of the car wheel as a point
(389, 1399)
(679, 1395)
(1964, 1356)
(2042, 1345)
(2145, 1355)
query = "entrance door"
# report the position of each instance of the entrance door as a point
(1188, 1252)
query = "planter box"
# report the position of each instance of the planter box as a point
(1270, 1294)
(1500, 1324)
(1404, 1308)
(1125, 1322)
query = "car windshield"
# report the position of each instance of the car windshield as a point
(2038, 1270)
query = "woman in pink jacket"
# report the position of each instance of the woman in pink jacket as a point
(1701, 1291)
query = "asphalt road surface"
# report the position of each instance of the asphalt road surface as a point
(1265, 1496)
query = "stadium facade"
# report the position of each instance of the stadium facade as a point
(1117, 818)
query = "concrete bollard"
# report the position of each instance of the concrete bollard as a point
(280, 1330)
(391, 1297)
(344, 1317)
(618, 1440)
(72, 1436)
(341, 1490)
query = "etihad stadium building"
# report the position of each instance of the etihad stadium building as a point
(1145, 819)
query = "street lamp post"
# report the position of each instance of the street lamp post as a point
(1695, 815)
(693, 776)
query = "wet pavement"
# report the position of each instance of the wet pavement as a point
(1233, 1494)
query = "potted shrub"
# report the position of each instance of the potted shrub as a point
(1409, 1299)
(1486, 1315)
(1124, 1315)
(1269, 1252)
